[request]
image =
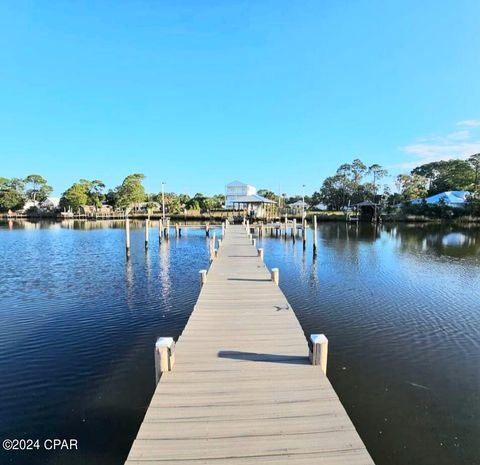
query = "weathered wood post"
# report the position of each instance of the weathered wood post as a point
(164, 356)
(314, 234)
(254, 242)
(304, 233)
(286, 225)
(223, 229)
(275, 273)
(177, 229)
(207, 229)
(294, 229)
(319, 351)
(127, 237)
(219, 243)
(167, 228)
(203, 276)
(160, 230)
(260, 253)
(147, 230)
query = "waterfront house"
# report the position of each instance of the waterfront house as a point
(298, 207)
(244, 198)
(449, 198)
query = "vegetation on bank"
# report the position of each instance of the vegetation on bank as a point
(352, 183)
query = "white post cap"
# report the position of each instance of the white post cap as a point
(164, 342)
(318, 338)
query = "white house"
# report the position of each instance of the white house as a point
(297, 207)
(450, 198)
(236, 191)
(241, 196)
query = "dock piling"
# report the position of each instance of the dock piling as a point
(319, 351)
(314, 234)
(203, 276)
(164, 356)
(127, 237)
(260, 253)
(304, 233)
(147, 230)
(275, 273)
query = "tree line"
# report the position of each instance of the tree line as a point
(352, 183)
(355, 182)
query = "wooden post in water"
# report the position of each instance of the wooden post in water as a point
(223, 229)
(304, 233)
(160, 230)
(127, 237)
(212, 249)
(286, 224)
(319, 351)
(260, 253)
(275, 273)
(314, 234)
(167, 228)
(294, 229)
(203, 276)
(147, 230)
(164, 356)
(177, 229)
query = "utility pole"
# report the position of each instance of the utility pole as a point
(303, 201)
(163, 201)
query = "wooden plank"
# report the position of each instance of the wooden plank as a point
(242, 390)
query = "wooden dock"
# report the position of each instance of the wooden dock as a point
(242, 390)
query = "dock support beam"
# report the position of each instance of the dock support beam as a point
(319, 351)
(203, 276)
(164, 356)
(127, 237)
(275, 273)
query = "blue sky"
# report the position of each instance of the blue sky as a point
(199, 93)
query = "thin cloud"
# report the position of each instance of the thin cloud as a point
(469, 123)
(459, 145)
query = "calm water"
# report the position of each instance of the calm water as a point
(400, 306)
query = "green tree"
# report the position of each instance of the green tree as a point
(447, 175)
(378, 173)
(75, 196)
(333, 192)
(474, 161)
(412, 186)
(12, 196)
(95, 192)
(131, 191)
(37, 188)
(268, 194)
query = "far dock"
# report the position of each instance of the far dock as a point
(242, 389)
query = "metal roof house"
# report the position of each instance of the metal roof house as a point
(449, 198)
(241, 196)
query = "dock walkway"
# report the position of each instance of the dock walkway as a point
(242, 390)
